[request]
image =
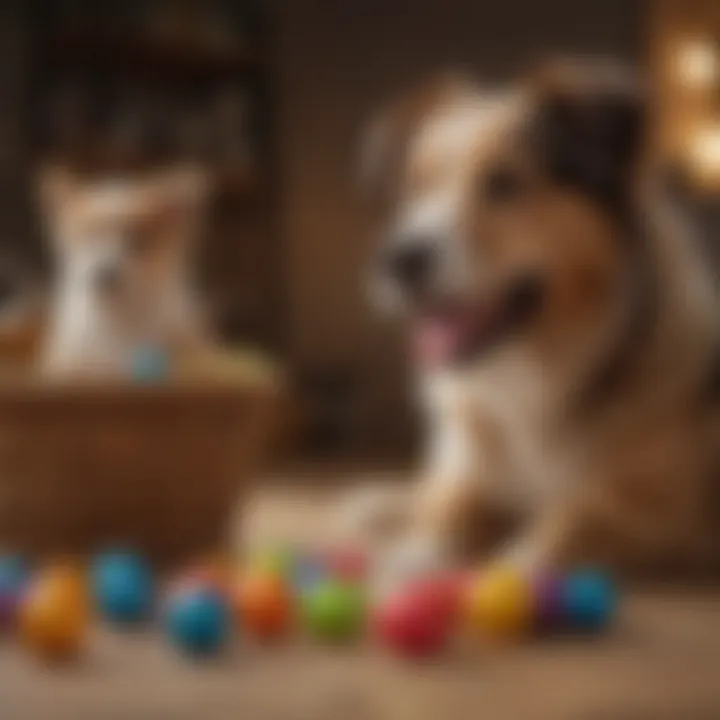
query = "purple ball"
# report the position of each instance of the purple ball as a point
(547, 599)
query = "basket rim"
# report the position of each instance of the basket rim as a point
(214, 391)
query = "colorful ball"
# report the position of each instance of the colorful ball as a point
(264, 605)
(414, 622)
(276, 560)
(215, 573)
(54, 614)
(548, 611)
(347, 564)
(499, 603)
(123, 587)
(444, 592)
(13, 580)
(589, 600)
(334, 611)
(149, 364)
(308, 571)
(197, 620)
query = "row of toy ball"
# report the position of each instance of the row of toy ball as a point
(278, 591)
(499, 603)
(51, 609)
(326, 597)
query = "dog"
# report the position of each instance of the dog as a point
(122, 249)
(563, 321)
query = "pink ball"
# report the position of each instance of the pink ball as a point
(414, 622)
(348, 564)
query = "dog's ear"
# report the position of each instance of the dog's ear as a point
(385, 140)
(588, 126)
(178, 196)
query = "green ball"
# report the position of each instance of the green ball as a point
(274, 561)
(334, 611)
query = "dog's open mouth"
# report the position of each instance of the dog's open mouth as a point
(452, 332)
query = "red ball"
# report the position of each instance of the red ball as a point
(444, 592)
(348, 565)
(414, 622)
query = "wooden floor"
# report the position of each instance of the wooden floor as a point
(660, 662)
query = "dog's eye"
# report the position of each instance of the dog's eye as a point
(502, 184)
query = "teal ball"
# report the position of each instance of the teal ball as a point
(14, 576)
(149, 364)
(123, 587)
(589, 600)
(197, 620)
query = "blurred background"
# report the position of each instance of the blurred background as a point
(272, 97)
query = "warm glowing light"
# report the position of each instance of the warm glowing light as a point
(698, 64)
(705, 153)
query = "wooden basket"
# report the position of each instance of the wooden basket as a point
(159, 468)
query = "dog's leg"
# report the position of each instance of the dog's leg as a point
(451, 505)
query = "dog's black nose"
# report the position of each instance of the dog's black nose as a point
(108, 280)
(411, 263)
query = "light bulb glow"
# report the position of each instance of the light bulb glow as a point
(705, 153)
(698, 65)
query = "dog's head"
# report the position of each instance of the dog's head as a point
(507, 215)
(123, 238)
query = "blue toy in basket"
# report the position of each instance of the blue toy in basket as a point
(149, 364)
(197, 620)
(123, 587)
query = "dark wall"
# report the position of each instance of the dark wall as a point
(337, 62)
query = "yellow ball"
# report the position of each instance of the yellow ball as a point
(499, 603)
(55, 613)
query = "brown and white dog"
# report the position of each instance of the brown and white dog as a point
(564, 322)
(122, 249)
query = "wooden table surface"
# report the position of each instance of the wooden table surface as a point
(660, 662)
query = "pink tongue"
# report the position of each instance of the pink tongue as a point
(440, 340)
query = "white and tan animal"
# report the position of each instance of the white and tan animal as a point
(565, 326)
(122, 250)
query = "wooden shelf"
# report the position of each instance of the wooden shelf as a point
(147, 54)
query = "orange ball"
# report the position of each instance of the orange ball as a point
(55, 613)
(264, 604)
(499, 603)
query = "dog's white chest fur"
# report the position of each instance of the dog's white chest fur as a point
(484, 426)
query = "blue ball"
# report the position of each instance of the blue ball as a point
(123, 587)
(13, 573)
(149, 364)
(197, 620)
(589, 600)
(14, 577)
(308, 571)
